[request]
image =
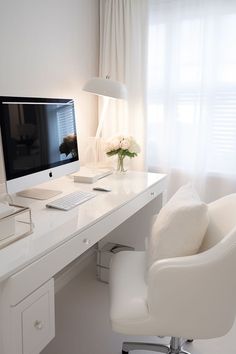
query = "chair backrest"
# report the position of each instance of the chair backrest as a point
(200, 289)
(222, 214)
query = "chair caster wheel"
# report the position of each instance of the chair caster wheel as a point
(189, 340)
(124, 352)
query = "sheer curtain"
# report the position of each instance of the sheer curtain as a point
(123, 49)
(191, 107)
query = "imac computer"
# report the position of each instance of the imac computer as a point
(39, 140)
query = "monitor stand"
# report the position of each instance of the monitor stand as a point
(38, 193)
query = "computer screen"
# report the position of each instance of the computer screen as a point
(38, 138)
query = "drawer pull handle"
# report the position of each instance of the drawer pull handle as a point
(152, 194)
(86, 241)
(38, 324)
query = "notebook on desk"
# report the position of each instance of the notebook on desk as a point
(91, 175)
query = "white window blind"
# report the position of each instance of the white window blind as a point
(65, 120)
(192, 86)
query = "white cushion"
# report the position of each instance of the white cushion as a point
(179, 227)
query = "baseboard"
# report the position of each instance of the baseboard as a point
(73, 269)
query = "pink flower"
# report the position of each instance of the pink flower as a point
(125, 144)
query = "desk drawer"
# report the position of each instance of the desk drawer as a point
(33, 320)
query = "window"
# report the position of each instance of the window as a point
(192, 86)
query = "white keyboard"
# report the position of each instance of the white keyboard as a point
(71, 200)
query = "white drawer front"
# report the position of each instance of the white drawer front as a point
(33, 320)
(36, 323)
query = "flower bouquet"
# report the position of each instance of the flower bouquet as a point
(122, 146)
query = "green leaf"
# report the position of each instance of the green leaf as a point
(122, 153)
(112, 153)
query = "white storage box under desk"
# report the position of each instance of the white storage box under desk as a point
(104, 256)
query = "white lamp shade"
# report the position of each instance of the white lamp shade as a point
(106, 87)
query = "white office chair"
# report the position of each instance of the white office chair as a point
(186, 297)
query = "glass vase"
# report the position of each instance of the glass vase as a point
(120, 164)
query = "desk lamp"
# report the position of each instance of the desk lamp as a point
(109, 89)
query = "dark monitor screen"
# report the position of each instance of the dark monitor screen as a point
(37, 134)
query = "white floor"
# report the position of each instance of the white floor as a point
(82, 323)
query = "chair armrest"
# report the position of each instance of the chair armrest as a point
(196, 291)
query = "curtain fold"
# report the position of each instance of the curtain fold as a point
(123, 51)
(191, 106)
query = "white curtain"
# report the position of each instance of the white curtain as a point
(191, 107)
(123, 51)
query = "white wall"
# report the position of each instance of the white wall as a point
(49, 48)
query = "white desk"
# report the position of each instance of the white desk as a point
(28, 266)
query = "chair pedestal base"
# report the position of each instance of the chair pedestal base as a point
(175, 347)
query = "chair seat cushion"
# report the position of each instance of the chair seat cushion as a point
(179, 227)
(128, 290)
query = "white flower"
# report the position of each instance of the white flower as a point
(112, 144)
(115, 144)
(108, 147)
(134, 147)
(125, 144)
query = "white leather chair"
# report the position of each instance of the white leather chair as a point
(186, 297)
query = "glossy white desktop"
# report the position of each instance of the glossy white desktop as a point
(28, 267)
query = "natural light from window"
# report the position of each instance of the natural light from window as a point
(192, 88)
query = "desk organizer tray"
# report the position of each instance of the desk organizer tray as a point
(15, 223)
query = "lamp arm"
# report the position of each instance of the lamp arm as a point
(102, 117)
